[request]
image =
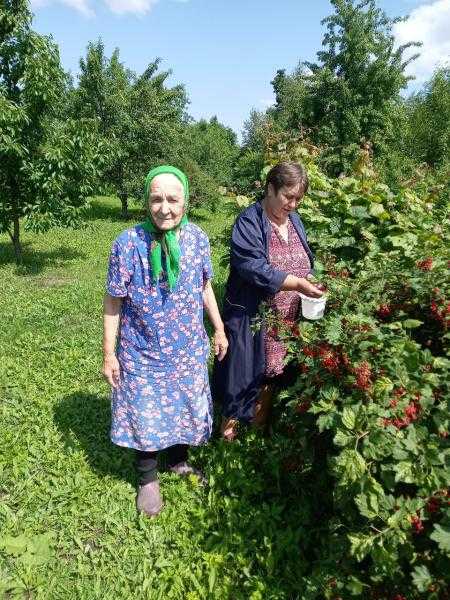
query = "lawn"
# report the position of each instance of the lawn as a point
(272, 524)
(68, 525)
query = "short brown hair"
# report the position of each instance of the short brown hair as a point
(287, 173)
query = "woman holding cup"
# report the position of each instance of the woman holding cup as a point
(270, 262)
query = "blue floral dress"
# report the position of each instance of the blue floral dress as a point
(163, 397)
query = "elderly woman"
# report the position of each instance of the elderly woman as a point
(159, 281)
(270, 261)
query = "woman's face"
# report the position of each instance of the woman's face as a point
(285, 201)
(166, 201)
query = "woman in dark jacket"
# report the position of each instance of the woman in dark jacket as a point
(270, 261)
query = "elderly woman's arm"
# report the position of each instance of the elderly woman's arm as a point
(212, 310)
(111, 316)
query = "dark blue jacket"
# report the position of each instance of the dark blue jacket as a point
(252, 279)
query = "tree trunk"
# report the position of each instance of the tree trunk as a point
(124, 200)
(15, 235)
(15, 238)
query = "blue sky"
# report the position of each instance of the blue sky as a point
(225, 53)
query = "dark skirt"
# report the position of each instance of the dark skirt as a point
(237, 379)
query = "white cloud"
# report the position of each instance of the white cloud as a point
(120, 7)
(430, 24)
(81, 6)
(130, 6)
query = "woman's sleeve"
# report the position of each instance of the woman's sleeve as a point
(205, 253)
(120, 270)
(248, 257)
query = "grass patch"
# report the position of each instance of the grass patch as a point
(68, 525)
(67, 516)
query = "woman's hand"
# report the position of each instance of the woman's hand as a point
(220, 344)
(111, 370)
(306, 287)
(220, 339)
(111, 314)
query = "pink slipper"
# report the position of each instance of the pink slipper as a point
(149, 499)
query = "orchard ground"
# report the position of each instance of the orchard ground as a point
(62, 478)
(348, 496)
(68, 523)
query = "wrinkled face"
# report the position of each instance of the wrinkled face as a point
(285, 201)
(166, 201)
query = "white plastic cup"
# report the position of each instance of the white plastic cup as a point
(313, 308)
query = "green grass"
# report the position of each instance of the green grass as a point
(68, 524)
(60, 477)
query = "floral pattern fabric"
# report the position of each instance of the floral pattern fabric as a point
(289, 256)
(163, 397)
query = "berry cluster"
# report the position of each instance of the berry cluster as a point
(329, 359)
(416, 524)
(363, 373)
(303, 407)
(426, 264)
(410, 414)
(398, 393)
(343, 274)
(384, 311)
(310, 352)
(433, 505)
(293, 328)
(273, 331)
(440, 309)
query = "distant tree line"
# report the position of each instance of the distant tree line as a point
(352, 96)
(62, 140)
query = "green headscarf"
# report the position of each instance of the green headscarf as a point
(165, 240)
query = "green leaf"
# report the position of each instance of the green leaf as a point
(360, 545)
(367, 505)
(406, 241)
(355, 587)
(403, 472)
(342, 439)
(325, 421)
(15, 545)
(410, 442)
(383, 385)
(31, 559)
(320, 407)
(243, 201)
(330, 393)
(350, 465)
(422, 578)
(364, 345)
(212, 579)
(360, 212)
(441, 535)
(348, 418)
(378, 210)
(318, 268)
(411, 323)
(333, 330)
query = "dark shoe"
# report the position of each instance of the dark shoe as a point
(149, 499)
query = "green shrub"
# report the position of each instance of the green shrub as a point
(350, 496)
